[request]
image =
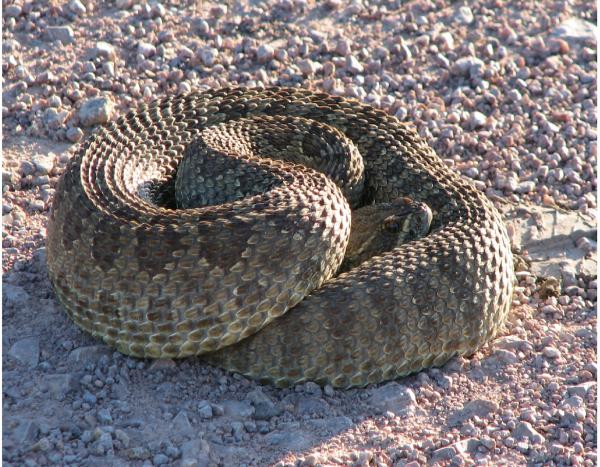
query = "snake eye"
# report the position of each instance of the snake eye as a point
(392, 225)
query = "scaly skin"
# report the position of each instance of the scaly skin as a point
(157, 282)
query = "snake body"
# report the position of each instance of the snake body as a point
(248, 283)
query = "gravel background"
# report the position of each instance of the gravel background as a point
(506, 94)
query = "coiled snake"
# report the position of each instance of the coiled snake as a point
(249, 281)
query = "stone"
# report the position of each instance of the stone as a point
(43, 164)
(237, 409)
(551, 352)
(218, 11)
(105, 50)
(307, 66)
(582, 389)
(505, 356)
(162, 364)
(311, 405)
(467, 66)
(11, 11)
(464, 15)
(195, 453)
(74, 134)
(512, 343)
(62, 34)
(576, 29)
(477, 120)
(237, 429)
(26, 351)
(524, 430)
(77, 7)
(96, 111)
(25, 432)
(208, 56)
(146, 49)
(89, 398)
(353, 65)
(343, 47)
(569, 275)
(447, 40)
(264, 407)
(181, 423)
(443, 454)
(265, 53)
(103, 445)
(205, 410)
(138, 452)
(312, 388)
(573, 401)
(59, 385)
(123, 437)
(394, 398)
(43, 445)
(54, 119)
(160, 459)
(526, 187)
(550, 237)
(289, 439)
(9, 179)
(478, 407)
(103, 416)
(14, 296)
(89, 354)
(331, 425)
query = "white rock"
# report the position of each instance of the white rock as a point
(209, 56)
(27, 351)
(74, 134)
(146, 49)
(63, 34)
(576, 29)
(43, 164)
(480, 407)
(551, 352)
(205, 410)
(464, 15)
(96, 111)
(218, 11)
(12, 11)
(525, 430)
(582, 389)
(181, 423)
(77, 7)
(105, 50)
(343, 47)
(88, 354)
(203, 26)
(353, 65)
(447, 41)
(265, 53)
(394, 398)
(467, 66)
(477, 120)
(307, 66)
(526, 187)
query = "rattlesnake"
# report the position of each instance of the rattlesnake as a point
(219, 280)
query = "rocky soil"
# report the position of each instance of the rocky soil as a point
(506, 94)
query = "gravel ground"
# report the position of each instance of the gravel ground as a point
(504, 91)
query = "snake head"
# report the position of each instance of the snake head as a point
(382, 227)
(410, 220)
